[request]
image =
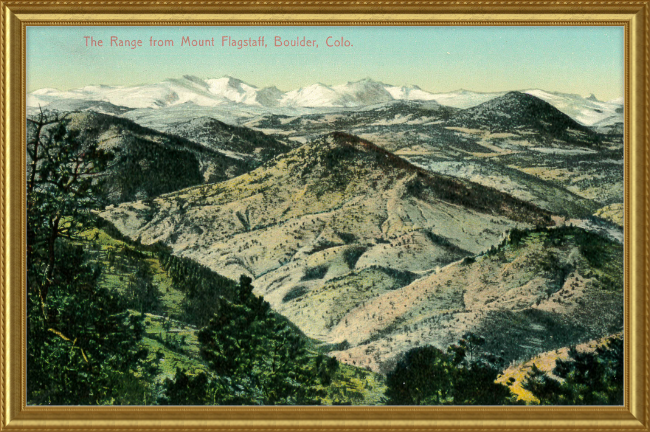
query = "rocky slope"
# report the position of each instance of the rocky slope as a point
(331, 215)
(537, 291)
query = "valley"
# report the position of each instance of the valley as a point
(375, 219)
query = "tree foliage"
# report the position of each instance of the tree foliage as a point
(82, 343)
(141, 293)
(63, 185)
(202, 287)
(247, 342)
(585, 378)
(254, 357)
(186, 389)
(459, 376)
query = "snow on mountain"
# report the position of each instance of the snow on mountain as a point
(315, 95)
(233, 90)
(464, 98)
(226, 91)
(166, 93)
(364, 92)
(353, 94)
(410, 93)
(587, 111)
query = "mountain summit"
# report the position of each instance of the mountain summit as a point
(516, 111)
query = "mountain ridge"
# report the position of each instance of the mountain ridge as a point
(228, 91)
(334, 231)
(141, 154)
(516, 111)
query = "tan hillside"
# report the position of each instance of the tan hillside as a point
(547, 291)
(515, 375)
(613, 213)
(340, 219)
(557, 164)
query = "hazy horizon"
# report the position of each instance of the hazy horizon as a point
(575, 60)
(331, 85)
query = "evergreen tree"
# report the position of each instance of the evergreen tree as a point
(84, 350)
(185, 389)
(141, 292)
(82, 344)
(265, 360)
(202, 287)
(461, 376)
(593, 378)
(423, 377)
(64, 178)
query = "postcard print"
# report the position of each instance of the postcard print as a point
(325, 215)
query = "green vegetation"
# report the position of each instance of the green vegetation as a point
(352, 255)
(294, 293)
(140, 155)
(581, 297)
(275, 367)
(176, 338)
(202, 287)
(603, 258)
(460, 376)
(138, 164)
(111, 321)
(586, 378)
(312, 273)
(82, 344)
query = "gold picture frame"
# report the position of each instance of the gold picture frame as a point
(634, 16)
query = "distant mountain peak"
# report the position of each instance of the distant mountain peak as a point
(206, 120)
(366, 80)
(518, 100)
(191, 90)
(234, 82)
(518, 95)
(269, 96)
(516, 110)
(192, 78)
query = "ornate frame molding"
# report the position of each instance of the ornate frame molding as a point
(16, 15)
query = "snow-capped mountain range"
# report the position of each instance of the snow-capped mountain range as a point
(225, 91)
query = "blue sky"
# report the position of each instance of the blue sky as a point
(580, 60)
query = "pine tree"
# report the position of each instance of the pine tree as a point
(82, 344)
(585, 378)
(256, 349)
(461, 376)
